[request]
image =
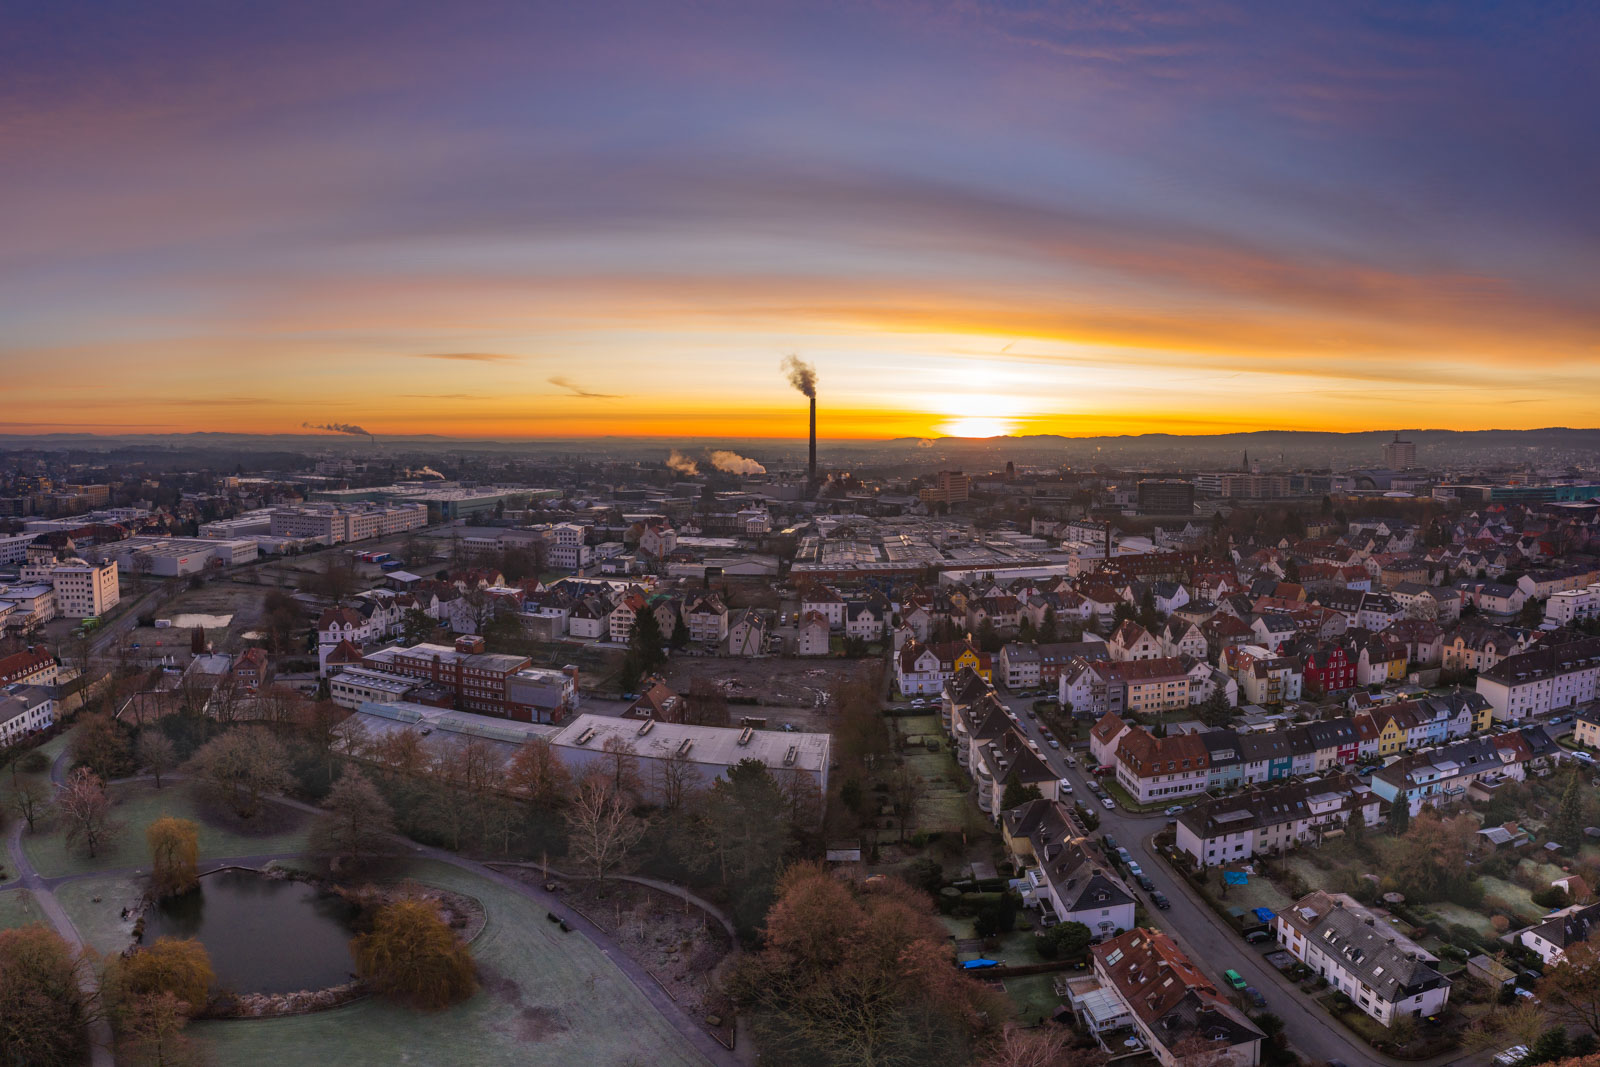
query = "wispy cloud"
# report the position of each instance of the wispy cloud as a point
(577, 390)
(469, 357)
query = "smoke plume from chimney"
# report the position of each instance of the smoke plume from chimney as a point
(733, 463)
(682, 463)
(336, 427)
(802, 375)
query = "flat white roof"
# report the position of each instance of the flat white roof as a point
(722, 745)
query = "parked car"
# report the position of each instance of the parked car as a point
(1255, 996)
(1054, 743)
(1071, 760)
(1111, 844)
(1066, 786)
(1176, 809)
(1234, 978)
(1145, 883)
(1255, 937)
(1107, 802)
(1134, 869)
(1514, 1054)
(1159, 899)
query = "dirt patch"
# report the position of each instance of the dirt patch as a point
(536, 1024)
(532, 1022)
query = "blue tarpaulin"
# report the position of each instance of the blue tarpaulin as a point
(978, 965)
(1235, 878)
(1265, 914)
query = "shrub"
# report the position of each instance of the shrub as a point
(1551, 896)
(1500, 923)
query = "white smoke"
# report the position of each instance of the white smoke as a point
(734, 463)
(682, 463)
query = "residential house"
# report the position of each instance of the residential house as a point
(1161, 768)
(1384, 973)
(1019, 666)
(864, 620)
(1065, 878)
(812, 639)
(1221, 830)
(747, 636)
(707, 619)
(825, 602)
(1541, 680)
(34, 666)
(1174, 1006)
(1569, 926)
(1130, 641)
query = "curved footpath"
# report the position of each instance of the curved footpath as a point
(43, 890)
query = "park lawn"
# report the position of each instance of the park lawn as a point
(548, 1000)
(136, 805)
(18, 908)
(100, 922)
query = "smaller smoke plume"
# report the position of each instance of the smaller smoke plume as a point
(734, 463)
(925, 442)
(336, 427)
(682, 463)
(802, 375)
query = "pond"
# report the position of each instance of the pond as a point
(264, 935)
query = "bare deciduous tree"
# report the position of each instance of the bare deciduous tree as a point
(86, 810)
(358, 821)
(603, 826)
(28, 801)
(155, 752)
(243, 766)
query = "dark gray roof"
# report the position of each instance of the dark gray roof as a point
(1392, 966)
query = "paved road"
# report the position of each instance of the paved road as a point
(1209, 940)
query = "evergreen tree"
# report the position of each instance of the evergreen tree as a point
(1215, 711)
(1399, 816)
(1148, 618)
(1047, 627)
(1016, 793)
(1568, 825)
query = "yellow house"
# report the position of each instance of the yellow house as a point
(1392, 738)
(1483, 718)
(1397, 668)
(971, 657)
(1585, 729)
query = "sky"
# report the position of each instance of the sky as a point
(543, 219)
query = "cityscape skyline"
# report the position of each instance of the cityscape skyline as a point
(974, 220)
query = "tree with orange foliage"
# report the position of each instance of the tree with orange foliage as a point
(412, 956)
(174, 855)
(860, 977)
(181, 968)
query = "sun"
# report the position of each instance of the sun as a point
(978, 426)
(978, 415)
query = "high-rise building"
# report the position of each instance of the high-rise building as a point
(1166, 496)
(1399, 455)
(949, 487)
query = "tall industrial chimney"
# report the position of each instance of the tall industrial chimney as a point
(813, 478)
